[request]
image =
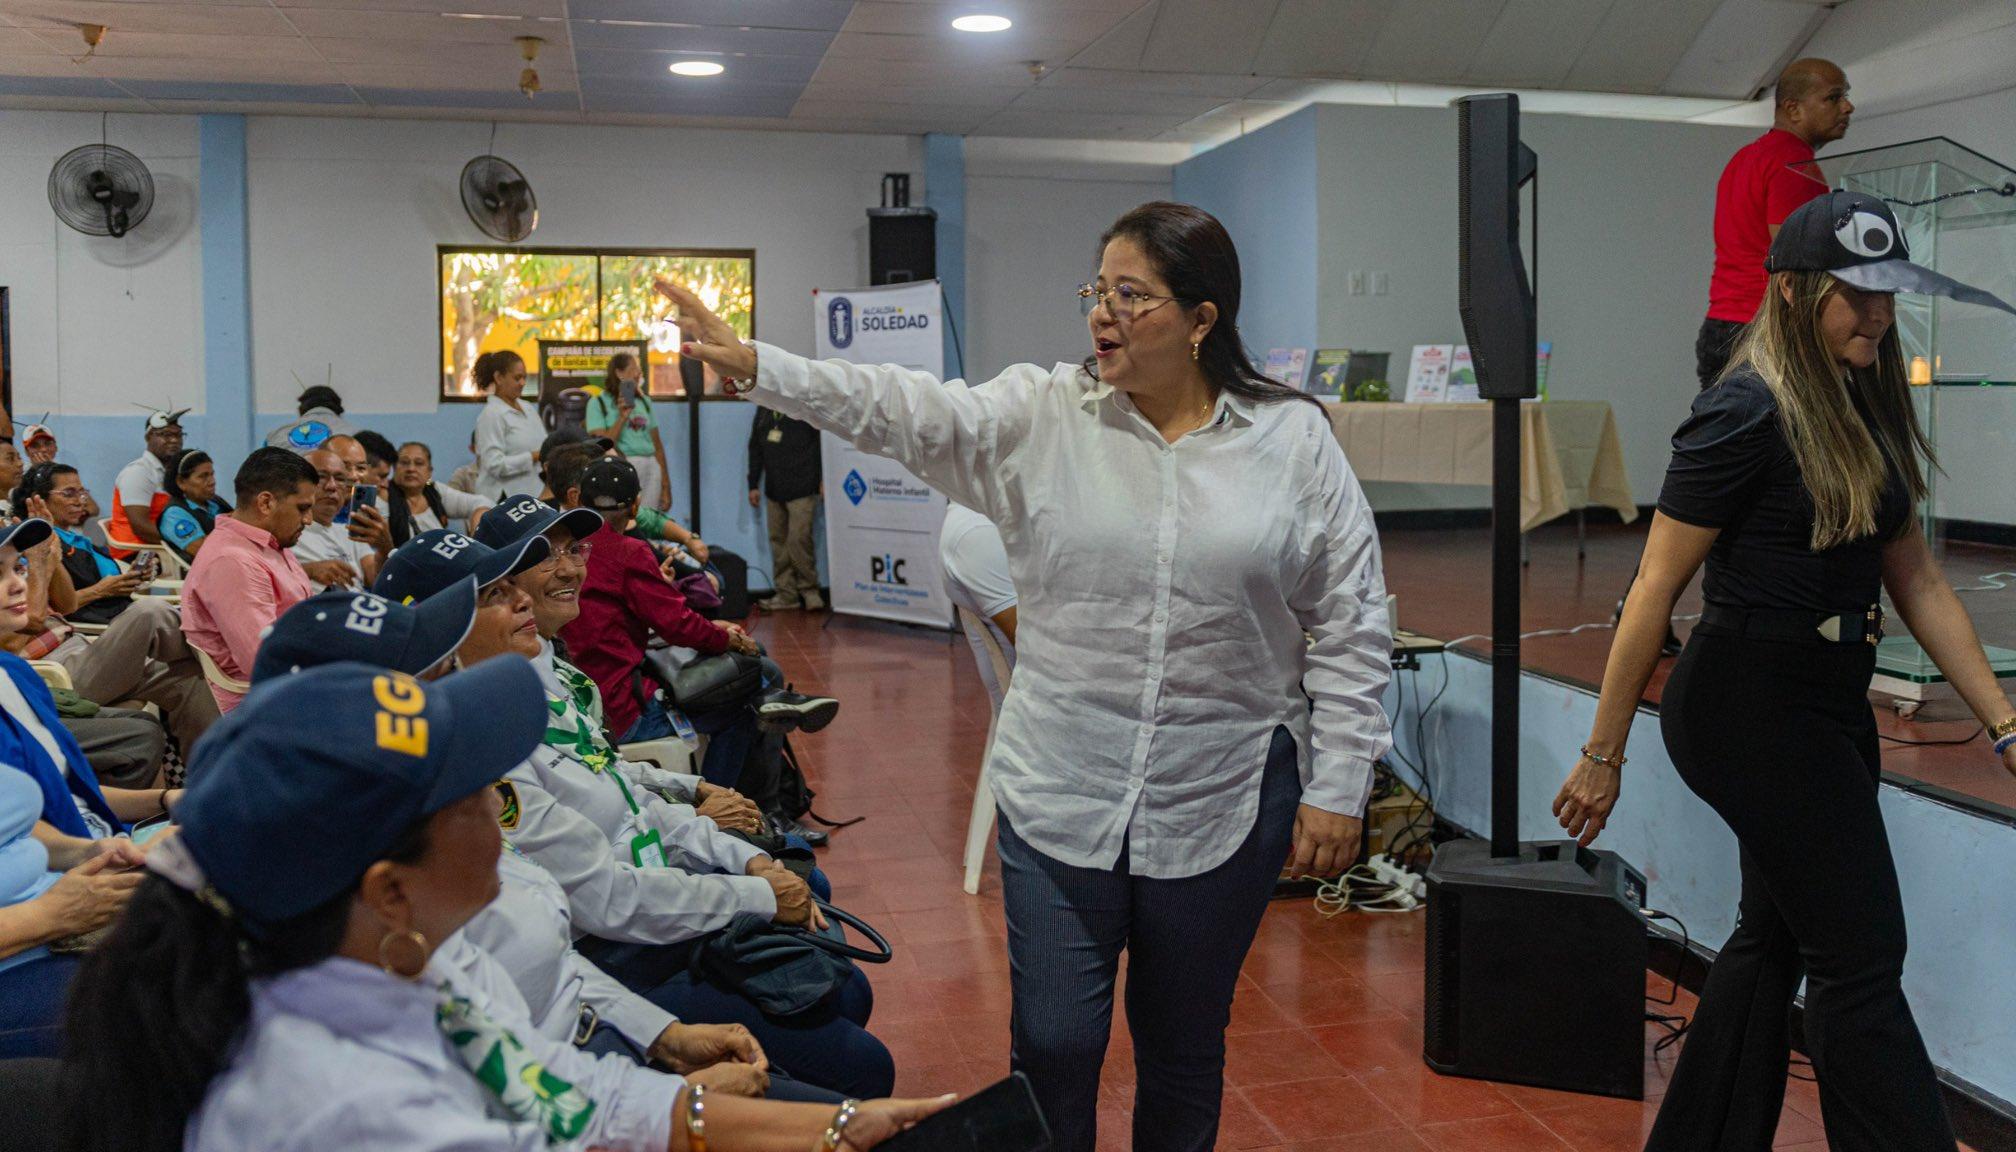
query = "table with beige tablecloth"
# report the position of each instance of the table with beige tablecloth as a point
(1569, 457)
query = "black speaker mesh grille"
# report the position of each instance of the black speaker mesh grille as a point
(1441, 1034)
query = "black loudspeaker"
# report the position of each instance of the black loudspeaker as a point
(1493, 293)
(1536, 968)
(902, 245)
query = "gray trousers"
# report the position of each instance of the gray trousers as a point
(124, 747)
(793, 561)
(142, 656)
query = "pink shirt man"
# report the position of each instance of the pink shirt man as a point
(241, 582)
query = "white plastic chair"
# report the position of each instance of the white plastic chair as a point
(215, 675)
(980, 824)
(672, 755)
(53, 674)
(172, 567)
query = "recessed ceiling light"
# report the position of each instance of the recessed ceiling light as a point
(983, 23)
(697, 68)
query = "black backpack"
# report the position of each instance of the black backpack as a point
(734, 572)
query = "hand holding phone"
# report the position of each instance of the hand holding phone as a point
(1003, 1118)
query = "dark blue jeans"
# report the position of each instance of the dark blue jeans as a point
(1185, 941)
(828, 1047)
(31, 1006)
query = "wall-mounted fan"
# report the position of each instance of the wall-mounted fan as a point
(499, 199)
(101, 190)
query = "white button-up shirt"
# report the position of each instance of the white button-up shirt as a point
(341, 1056)
(506, 438)
(1176, 600)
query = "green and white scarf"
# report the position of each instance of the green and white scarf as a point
(520, 1083)
(576, 727)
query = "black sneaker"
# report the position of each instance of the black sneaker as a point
(782, 825)
(782, 710)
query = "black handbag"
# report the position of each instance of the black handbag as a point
(715, 682)
(785, 970)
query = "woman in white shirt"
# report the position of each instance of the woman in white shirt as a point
(273, 989)
(1201, 615)
(508, 433)
(416, 504)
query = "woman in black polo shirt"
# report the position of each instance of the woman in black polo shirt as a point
(1794, 480)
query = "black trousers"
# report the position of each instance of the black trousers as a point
(1712, 346)
(1779, 739)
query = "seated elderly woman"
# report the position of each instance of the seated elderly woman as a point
(256, 995)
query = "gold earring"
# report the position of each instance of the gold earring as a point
(412, 938)
(1195, 349)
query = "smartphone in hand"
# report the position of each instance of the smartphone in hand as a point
(361, 496)
(147, 566)
(1003, 1118)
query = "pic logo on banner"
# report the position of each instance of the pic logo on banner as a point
(887, 569)
(855, 487)
(840, 324)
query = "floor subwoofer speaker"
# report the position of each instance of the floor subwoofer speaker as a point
(1536, 968)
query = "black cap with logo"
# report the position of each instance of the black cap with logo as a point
(1855, 238)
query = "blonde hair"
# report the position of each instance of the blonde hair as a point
(1840, 457)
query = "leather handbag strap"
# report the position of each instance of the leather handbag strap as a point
(880, 953)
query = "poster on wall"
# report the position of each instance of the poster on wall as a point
(881, 522)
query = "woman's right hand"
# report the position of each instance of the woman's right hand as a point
(878, 1120)
(709, 338)
(1583, 805)
(89, 896)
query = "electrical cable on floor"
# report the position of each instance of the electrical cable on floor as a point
(1676, 1026)
(1362, 890)
(1993, 582)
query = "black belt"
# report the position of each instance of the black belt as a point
(1863, 626)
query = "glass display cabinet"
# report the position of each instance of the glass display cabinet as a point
(1958, 212)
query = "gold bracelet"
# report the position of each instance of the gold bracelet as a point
(836, 1133)
(2005, 728)
(696, 1118)
(1618, 761)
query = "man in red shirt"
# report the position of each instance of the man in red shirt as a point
(625, 598)
(1759, 188)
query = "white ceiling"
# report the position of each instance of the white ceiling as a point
(1176, 71)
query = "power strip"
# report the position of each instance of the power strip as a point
(1385, 868)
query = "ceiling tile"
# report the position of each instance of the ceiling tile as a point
(1073, 22)
(694, 38)
(1741, 47)
(557, 76)
(1533, 43)
(500, 101)
(473, 61)
(1322, 37)
(913, 73)
(418, 27)
(1638, 43)
(553, 8)
(1207, 35)
(1429, 40)
(176, 46)
(1122, 47)
(237, 93)
(246, 71)
(815, 15)
(199, 19)
(1227, 86)
(655, 68)
(934, 96)
(959, 53)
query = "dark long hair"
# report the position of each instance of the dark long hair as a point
(399, 517)
(171, 483)
(617, 363)
(491, 365)
(1195, 256)
(156, 1008)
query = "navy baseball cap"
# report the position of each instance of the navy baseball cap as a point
(609, 484)
(521, 516)
(341, 625)
(439, 558)
(358, 752)
(25, 534)
(1856, 239)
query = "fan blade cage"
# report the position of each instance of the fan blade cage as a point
(101, 190)
(499, 199)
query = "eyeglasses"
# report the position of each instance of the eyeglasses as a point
(576, 552)
(70, 493)
(1124, 301)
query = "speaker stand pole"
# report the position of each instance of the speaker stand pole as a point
(1505, 574)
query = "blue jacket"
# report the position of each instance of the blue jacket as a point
(21, 749)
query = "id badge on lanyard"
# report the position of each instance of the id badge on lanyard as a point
(776, 435)
(647, 851)
(682, 727)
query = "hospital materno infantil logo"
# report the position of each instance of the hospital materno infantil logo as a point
(855, 487)
(840, 324)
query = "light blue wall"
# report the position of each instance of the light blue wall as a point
(1263, 188)
(945, 192)
(227, 294)
(1953, 865)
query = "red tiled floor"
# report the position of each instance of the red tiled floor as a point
(1324, 1053)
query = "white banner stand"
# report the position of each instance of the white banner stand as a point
(881, 522)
